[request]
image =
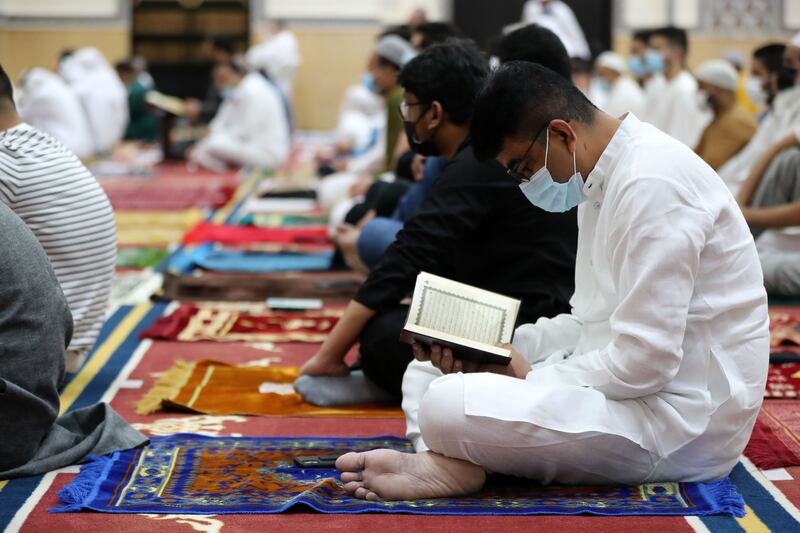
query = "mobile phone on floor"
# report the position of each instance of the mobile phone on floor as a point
(316, 461)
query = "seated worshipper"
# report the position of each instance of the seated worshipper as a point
(657, 374)
(620, 93)
(559, 18)
(215, 50)
(427, 34)
(48, 104)
(770, 200)
(250, 128)
(474, 227)
(636, 63)
(35, 327)
(390, 54)
(732, 126)
(102, 94)
(143, 124)
(532, 43)
(278, 54)
(777, 89)
(671, 103)
(68, 212)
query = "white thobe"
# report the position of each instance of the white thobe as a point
(249, 129)
(278, 56)
(659, 371)
(102, 94)
(779, 122)
(50, 105)
(671, 106)
(559, 18)
(625, 96)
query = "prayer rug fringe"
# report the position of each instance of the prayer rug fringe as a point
(166, 387)
(80, 490)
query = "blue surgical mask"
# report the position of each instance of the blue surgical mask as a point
(653, 62)
(545, 193)
(369, 82)
(636, 66)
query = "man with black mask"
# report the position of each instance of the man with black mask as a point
(474, 227)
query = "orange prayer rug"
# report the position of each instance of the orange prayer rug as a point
(215, 388)
(232, 323)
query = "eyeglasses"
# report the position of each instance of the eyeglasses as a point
(513, 169)
(404, 107)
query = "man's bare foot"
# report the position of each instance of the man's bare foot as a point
(322, 366)
(393, 475)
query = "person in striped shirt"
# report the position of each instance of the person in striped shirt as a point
(57, 197)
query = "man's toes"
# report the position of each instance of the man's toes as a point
(371, 496)
(351, 476)
(353, 486)
(362, 493)
(350, 462)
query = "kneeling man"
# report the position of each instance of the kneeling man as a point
(657, 374)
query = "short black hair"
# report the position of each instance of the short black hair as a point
(535, 44)
(235, 66)
(222, 43)
(402, 31)
(436, 32)
(642, 35)
(451, 73)
(124, 66)
(675, 37)
(518, 100)
(771, 56)
(6, 88)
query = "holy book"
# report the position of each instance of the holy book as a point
(466, 319)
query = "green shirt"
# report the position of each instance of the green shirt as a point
(143, 124)
(394, 126)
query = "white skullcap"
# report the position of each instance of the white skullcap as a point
(795, 41)
(395, 49)
(612, 61)
(719, 73)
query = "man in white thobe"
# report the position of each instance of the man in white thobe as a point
(781, 93)
(656, 375)
(559, 18)
(623, 95)
(250, 128)
(671, 103)
(278, 54)
(50, 105)
(102, 94)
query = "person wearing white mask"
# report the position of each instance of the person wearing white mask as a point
(278, 55)
(622, 94)
(559, 18)
(772, 84)
(672, 103)
(102, 94)
(657, 374)
(250, 128)
(732, 125)
(50, 105)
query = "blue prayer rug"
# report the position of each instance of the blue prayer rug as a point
(194, 474)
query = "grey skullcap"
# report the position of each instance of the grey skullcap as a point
(395, 49)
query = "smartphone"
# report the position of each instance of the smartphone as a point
(316, 461)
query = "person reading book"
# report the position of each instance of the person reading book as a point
(474, 227)
(658, 372)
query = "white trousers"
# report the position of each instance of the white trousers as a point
(779, 253)
(436, 420)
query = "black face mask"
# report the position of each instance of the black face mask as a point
(424, 148)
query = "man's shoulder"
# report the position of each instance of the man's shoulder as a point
(466, 166)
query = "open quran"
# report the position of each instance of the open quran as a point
(466, 319)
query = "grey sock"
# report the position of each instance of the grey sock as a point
(330, 391)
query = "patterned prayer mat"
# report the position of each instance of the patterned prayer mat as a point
(209, 257)
(784, 330)
(192, 474)
(280, 220)
(257, 286)
(231, 323)
(181, 193)
(155, 228)
(140, 258)
(216, 388)
(783, 381)
(236, 235)
(775, 442)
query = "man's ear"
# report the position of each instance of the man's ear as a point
(436, 115)
(563, 132)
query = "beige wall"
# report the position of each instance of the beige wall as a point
(22, 48)
(333, 59)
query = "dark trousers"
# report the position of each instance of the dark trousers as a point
(383, 357)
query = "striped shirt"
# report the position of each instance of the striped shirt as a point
(49, 188)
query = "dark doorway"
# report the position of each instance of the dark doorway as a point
(483, 21)
(169, 34)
